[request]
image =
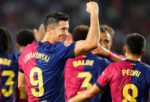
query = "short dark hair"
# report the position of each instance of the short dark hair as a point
(80, 32)
(24, 37)
(54, 18)
(5, 40)
(135, 43)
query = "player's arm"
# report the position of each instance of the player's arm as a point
(86, 95)
(93, 36)
(22, 84)
(39, 33)
(106, 53)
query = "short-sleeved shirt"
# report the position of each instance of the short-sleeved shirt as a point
(8, 77)
(129, 81)
(43, 66)
(106, 96)
(81, 73)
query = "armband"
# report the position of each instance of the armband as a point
(111, 55)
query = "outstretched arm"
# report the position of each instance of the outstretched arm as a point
(86, 95)
(92, 40)
(106, 53)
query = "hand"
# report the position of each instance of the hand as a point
(39, 34)
(92, 8)
(101, 51)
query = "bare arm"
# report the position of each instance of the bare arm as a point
(106, 53)
(86, 95)
(93, 36)
(22, 84)
(39, 33)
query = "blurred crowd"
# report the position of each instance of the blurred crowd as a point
(125, 16)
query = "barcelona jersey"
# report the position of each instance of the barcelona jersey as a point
(106, 96)
(129, 81)
(43, 66)
(81, 73)
(8, 77)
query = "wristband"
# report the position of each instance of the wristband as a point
(111, 55)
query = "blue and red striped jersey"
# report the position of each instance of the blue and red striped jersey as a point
(43, 66)
(8, 77)
(129, 81)
(81, 73)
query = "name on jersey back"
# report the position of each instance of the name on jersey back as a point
(4, 61)
(83, 62)
(37, 56)
(131, 72)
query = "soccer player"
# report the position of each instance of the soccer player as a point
(129, 80)
(82, 72)
(8, 68)
(106, 37)
(103, 50)
(24, 37)
(42, 62)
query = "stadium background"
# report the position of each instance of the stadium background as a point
(125, 16)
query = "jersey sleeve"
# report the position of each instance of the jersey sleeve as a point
(66, 50)
(105, 77)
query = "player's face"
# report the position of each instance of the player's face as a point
(60, 31)
(105, 40)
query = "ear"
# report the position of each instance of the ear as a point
(48, 29)
(143, 52)
(124, 48)
(18, 46)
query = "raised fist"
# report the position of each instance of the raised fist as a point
(92, 8)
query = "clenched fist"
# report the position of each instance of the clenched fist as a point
(92, 8)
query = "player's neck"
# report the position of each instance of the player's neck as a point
(133, 57)
(21, 48)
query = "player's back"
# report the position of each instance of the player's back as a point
(8, 76)
(106, 96)
(130, 81)
(81, 73)
(43, 65)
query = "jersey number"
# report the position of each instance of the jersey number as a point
(9, 82)
(128, 97)
(86, 83)
(37, 82)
